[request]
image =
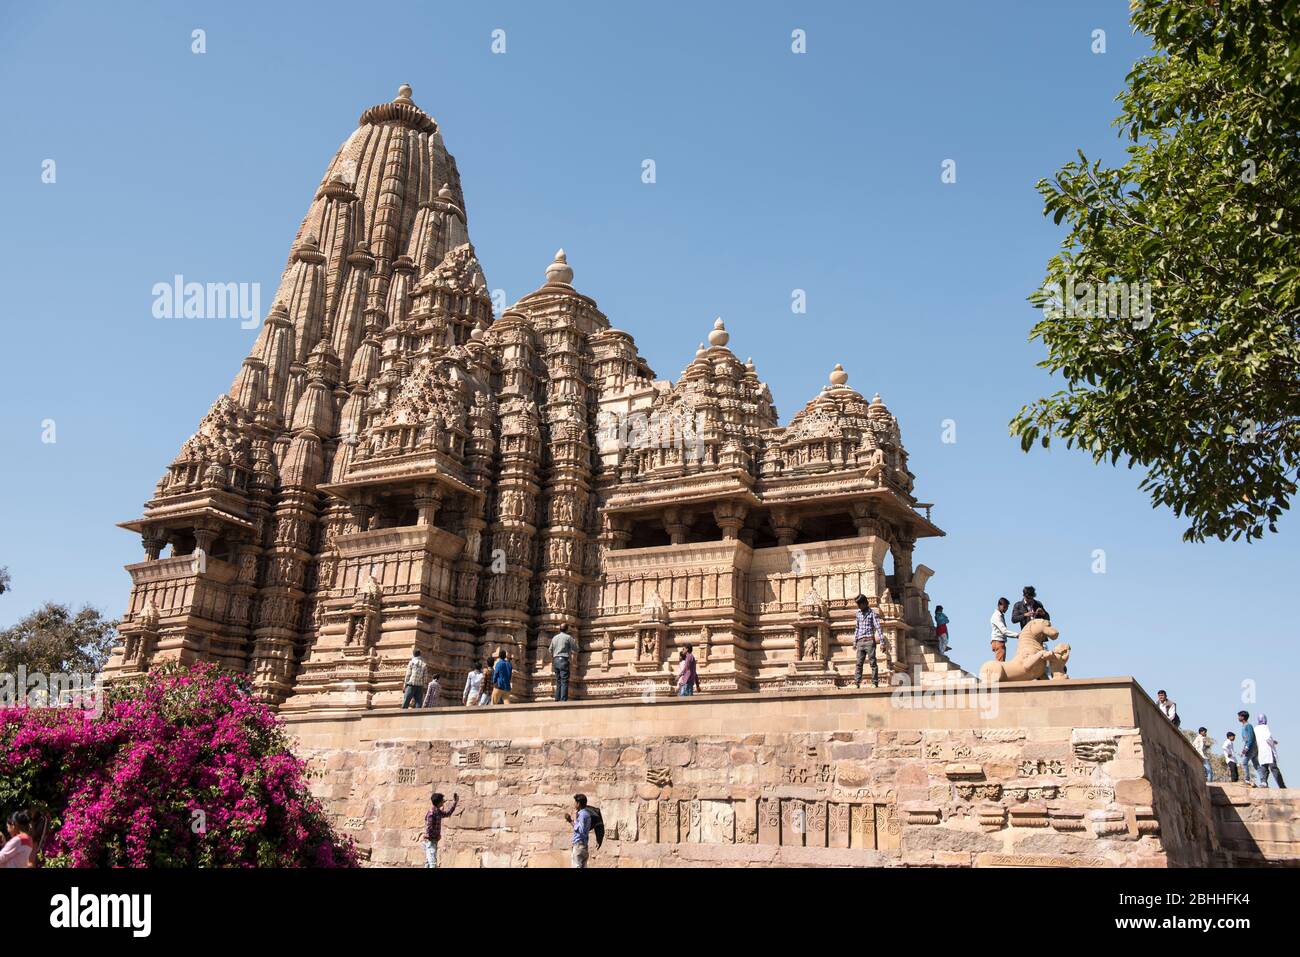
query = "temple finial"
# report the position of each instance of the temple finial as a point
(719, 336)
(404, 94)
(838, 376)
(559, 271)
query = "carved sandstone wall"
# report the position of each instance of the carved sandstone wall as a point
(1039, 774)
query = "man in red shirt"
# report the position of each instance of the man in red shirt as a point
(433, 826)
(688, 676)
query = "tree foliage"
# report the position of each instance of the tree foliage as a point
(1203, 391)
(53, 640)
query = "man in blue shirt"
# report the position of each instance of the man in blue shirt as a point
(581, 831)
(865, 635)
(501, 672)
(1249, 750)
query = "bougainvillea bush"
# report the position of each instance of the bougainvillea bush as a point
(183, 769)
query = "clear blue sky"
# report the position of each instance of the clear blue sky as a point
(775, 171)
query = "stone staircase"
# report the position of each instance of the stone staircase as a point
(1257, 827)
(936, 668)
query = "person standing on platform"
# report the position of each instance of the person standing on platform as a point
(941, 629)
(1028, 608)
(1230, 754)
(501, 673)
(866, 633)
(416, 677)
(688, 675)
(473, 686)
(1001, 633)
(1249, 750)
(1267, 753)
(563, 648)
(1202, 745)
(432, 693)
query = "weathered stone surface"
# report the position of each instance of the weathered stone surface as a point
(808, 809)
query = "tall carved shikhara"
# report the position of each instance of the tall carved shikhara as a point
(393, 469)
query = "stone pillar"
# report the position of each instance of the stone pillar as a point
(427, 500)
(730, 516)
(785, 522)
(676, 523)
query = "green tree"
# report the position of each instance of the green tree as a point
(1203, 389)
(52, 640)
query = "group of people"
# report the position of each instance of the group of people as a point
(1257, 747)
(490, 683)
(1025, 611)
(584, 819)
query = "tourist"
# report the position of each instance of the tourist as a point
(941, 628)
(1028, 608)
(1168, 708)
(562, 648)
(688, 676)
(581, 831)
(416, 672)
(1230, 754)
(431, 695)
(473, 687)
(1267, 753)
(501, 673)
(433, 826)
(1202, 745)
(485, 687)
(17, 851)
(1001, 633)
(866, 633)
(1249, 749)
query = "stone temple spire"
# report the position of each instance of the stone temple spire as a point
(386, 441)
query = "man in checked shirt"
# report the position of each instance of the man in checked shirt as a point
(865, 636)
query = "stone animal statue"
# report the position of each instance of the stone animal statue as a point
(1030, 661)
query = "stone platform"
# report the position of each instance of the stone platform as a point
(1258, 827)
(1084, 773)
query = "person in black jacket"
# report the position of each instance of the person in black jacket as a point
(1028, 608)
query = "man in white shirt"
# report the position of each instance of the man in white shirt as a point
(473, 687)
(417, 673)
(998, 622)
(1202, 745)
(1168, 708)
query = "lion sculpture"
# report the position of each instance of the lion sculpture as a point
(1031, 658)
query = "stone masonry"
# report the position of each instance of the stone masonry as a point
(1084, 773)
